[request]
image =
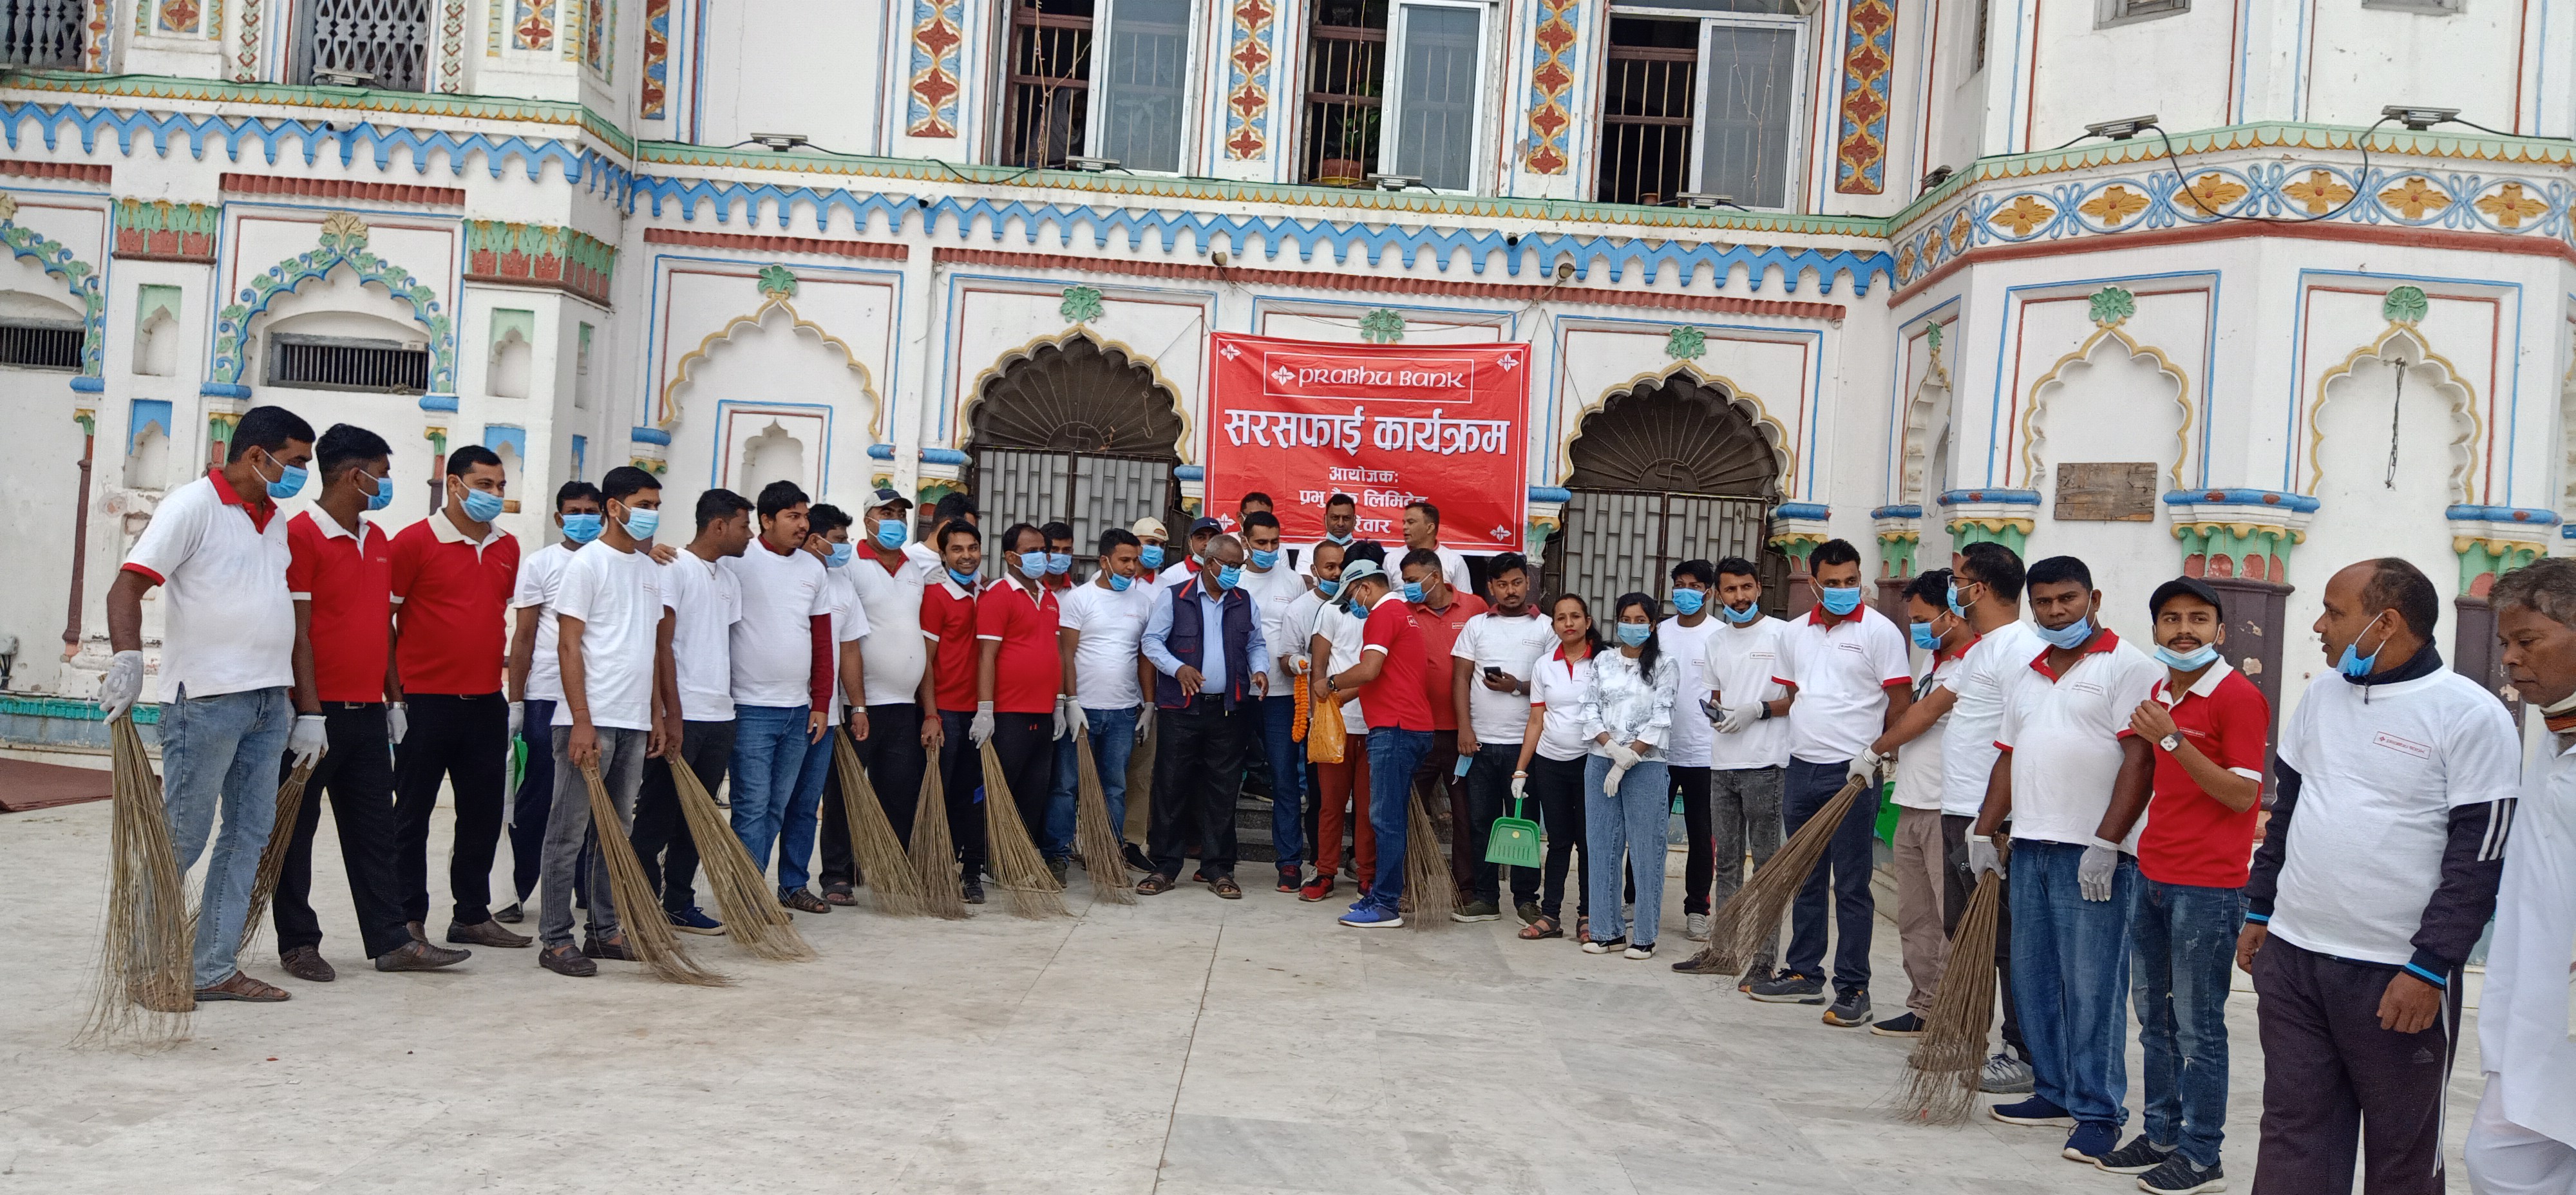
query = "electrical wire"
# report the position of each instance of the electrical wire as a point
(2362, 180)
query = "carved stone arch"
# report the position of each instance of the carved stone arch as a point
(772, 307)
(1678, 433)
(2403, 347)
(1075, 394)
(2034, 429)
(1928, 416)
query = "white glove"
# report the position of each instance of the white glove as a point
(124, 684)
(1740, 717)
(1982, 856)
(1144, 721)
(518, 717)
(981, 729)
(1618, 772)
(311, 737)
(1865, 768)
(1624, 756)
(397, 721)
(1520, 788)
(1063, 725)
(2093, 873)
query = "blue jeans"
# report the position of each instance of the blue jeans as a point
(1113, 741)
(1287, 780)
(778, 787)
(1633, 823)
(2182, 941)
(1392, 756)
(1844, 870)
(222, 751)
(2070, 963)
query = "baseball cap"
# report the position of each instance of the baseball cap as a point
(1149, 528)
(1206, 525)
(884, 496)
(2179, 586)
(1358, 570)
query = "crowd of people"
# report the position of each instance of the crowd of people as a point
(2118, 790)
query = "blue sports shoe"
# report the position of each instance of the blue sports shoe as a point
(693, 921)
(2092, 1141)
(1370, 916)
(2033, 1111)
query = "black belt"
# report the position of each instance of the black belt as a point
(350, 706)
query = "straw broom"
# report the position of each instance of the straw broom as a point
(1430, 892)
(1017, 864)
(272, 858)
(1941, 1079)
(882, 866)
(934, 849)
(656, 945)
(752, 915)
(1752, 915)
(146, 986)
(1104, 852)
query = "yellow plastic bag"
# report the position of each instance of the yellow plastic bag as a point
(1324, 734)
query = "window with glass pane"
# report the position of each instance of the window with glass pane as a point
(1141, 81)
(1435, 96)
(1047, 96)
(1345, 91)
(1751, 98)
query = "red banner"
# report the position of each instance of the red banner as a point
(1387, 424)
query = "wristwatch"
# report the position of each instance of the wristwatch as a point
(2171, 743)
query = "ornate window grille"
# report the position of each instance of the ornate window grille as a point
(1345, 91)
(43, 33)
(1047, 95)
(332, 363)
(385, 43)
(40, 346)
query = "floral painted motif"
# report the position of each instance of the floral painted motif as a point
(539, 255)
(166, 231)
(2112, 306)
(179, 16)
(1551, 77)
(1869, 60)
(533, 28)
(2509, 207)
(1249, 59)
(2405, 305)
(2212, 193)
(2415, 197)
(2115, 204)
(1686, 343)
(2319, 193)
(652, 95)
(2026, 213)
(1081, 305)
(451, 47)
(1382, 326)
(937, 32)
(777, 282)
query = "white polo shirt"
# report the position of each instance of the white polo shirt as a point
(896, 653)
(1842, 672)
(705, 601)
(849, 623)
(1741, 664)
(618, 598)
(2527, 1013)
(2378, 781)
(1994, 666)
(1919, 779)
(1346, 631)
(539, 575)
(1298, 626)
(2064, 734)
(1558, 684)
(1688, 646)
(1112, 627)
(1490, 640)
(230, 626)
(773, 644)
(1272, 593)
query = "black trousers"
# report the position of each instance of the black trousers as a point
(1198, 776)
(1489, 791)
(961, 770)
(358, 774)
(1956, 887)
(893, 759)
(2333, 1079)
(1025, 743)
(535, 796)
(464, 741)
(1699, 862)
(1557, 786)
(661, 834)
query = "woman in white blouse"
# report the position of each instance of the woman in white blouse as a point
(1627, 713)
(1551, 766)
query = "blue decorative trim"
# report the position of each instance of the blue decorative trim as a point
(942, 456)
(438, 402)
(495, 435)
(1990, 497)
(2300, 503)
(143, 413)
(1550, 493)
(224, 390)
(650, 435)
(230, 135)
(1801, 510)
(79, 277)
(84, 384)
(1189, 472)
(2500, 514)
(880, 452)
(337, 247)
(1897, 512)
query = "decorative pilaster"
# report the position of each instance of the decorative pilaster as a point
(437, 437)
(649, 449)
(1798, 529)
(1546, 513)
(1991, 516)
(2239, 533)
(2494, 540)
(1900, 538)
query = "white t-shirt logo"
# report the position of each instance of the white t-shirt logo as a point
(2408, 746)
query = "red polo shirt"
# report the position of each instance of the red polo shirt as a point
(1398, 698)
(349, 580)
(948, 619)
(1030, 671)
(454, 594)
(2190, 838)
(1439, 635)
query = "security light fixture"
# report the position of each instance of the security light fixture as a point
(1705, 199)
(779, 141)
(2417, 117)
(2123, 129)
(1394, 182)
(333, 77)
(1091, 165)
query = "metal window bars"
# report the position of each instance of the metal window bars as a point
(40, 346)
(1345, 92)
(332, 363)
(1047, 93)
(1646, 117)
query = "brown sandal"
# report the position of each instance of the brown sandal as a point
(803, 901)
(238, 986)
(1154, 885)
(1226, 887)
(1544, 927)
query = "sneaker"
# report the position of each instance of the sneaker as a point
(1135, 856)
(1317, 889)
(2033, 1111)
(512, 915)
(1609, 947)
(1289, 878)
(1529, 912)
(974, 892)
(1370, 916)
(1060, 868)
(1907, 1025)
(693, 920)
(2006, 1075)
(2137, 1157)
(1477, 910)
(1790, 987)
(1695, 927)
(1646, 951)
(2179, 1177)
(2092, 1141)
(1850, 1008)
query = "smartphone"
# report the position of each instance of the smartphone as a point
(1465, 762)
(1493, 673)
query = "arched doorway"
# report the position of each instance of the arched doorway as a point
(1672, 470)
(1076, 432)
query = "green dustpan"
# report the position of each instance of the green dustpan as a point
(1515, 841)
(518, 761)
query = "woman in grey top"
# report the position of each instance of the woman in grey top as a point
(1627, 713)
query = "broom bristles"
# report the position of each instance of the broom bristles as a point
(882, 866)
(1752, 916)
(1430, 892)
(146, 985)
(1104, 851)
(272, 858)
(752, 915)
(934, 849)
(1942, 1073)
(1021, 870)
(656, 945)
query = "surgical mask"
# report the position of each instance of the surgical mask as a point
(581, 528)
(1634, 634)
(481, 506)
(1952, 600)
(841, 556)
(1227, 576)
(1740, 617)
(2199, 658)
(1059, 562)
(1151, 556)
(2353, 664)
(890, 533)
(1687, 602)
(1840, 601)
(1119, 584)
(1924, 638)
(965, 579)
(2070, 636)
(641, 524)
(1263, 560)
(1413, 591)
(1034, 564)
(383, 495)
(1327, 588)
(1343, 540)
(290, 479)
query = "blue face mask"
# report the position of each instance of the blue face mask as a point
(1118, 584)
(581, 528)
(1228, 576)
(1413, 591)
(641, 524)
(1327, 588)
(1634, 634)
(289, 483)
(1839, 601)
(1687, 602)
(1951, 599)
(1740, 617)
(841, 556)
(1263, 560)
(2354, 665)
(1343, 540)
(1151, 556)
(1059, 562)
(1924, 638)
(2070, 637)
(965, 579)
(1034, 564)
(383, 495)
(890, 534)
(2198, 659)
(482, 507)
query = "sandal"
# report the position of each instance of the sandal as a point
(1226, 887)
(1154, 885)
(803, 902)
(1544, 927)
(839, 893)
